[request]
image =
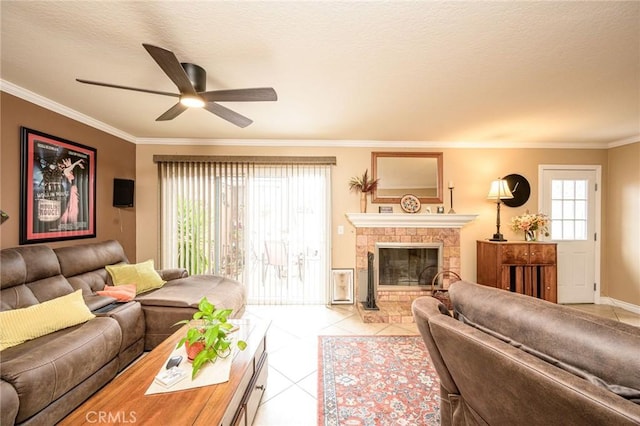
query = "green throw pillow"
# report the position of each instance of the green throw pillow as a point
(143, 275)
(19, 325)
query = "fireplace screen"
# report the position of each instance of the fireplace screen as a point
(408, 266)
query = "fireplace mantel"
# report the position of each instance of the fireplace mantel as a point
(406, 220)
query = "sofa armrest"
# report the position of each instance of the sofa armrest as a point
(95, 301)
(173, 273)
(9, 403)
(425, 310)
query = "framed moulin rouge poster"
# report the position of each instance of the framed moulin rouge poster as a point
(57, 188)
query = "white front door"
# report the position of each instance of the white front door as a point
(569, 195)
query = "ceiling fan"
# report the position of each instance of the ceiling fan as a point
(191, 80)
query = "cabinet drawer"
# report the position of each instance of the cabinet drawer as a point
(542, 254)
(237, 402)
(257, 389)
(516, 254)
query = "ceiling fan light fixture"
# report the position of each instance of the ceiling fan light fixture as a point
(191, 81)
(191, 101)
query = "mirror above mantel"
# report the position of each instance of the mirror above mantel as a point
(402, 173)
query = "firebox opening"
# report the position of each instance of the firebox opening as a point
(407, 265)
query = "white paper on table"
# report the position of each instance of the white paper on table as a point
(209, 373)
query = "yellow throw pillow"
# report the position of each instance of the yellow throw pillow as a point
(142, 274)
(19, 325)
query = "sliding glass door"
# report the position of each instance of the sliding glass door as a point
(287, 228)
(266, 225)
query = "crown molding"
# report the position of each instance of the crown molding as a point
(46, 103)
(372, 143)
(625, 141)
(39, 100)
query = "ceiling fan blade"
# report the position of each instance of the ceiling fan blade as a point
(171, 66)
(135, 89)
(241, 95)
(229, 115)
(172, 112)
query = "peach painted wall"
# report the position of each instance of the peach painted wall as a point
(116, 158)
(623, 224)
(472, 171)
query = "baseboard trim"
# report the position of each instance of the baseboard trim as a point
(624, 305)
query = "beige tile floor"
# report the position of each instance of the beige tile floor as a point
(290, 397)
(292, 343)
(611, 312)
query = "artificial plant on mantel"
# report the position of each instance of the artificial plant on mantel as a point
(363, 184)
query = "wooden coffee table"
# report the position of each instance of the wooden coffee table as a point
(235, 402)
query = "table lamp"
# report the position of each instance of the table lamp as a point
(499, 191)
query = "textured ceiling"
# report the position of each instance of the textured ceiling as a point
(477, 72)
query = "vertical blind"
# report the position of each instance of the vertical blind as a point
(265, 225)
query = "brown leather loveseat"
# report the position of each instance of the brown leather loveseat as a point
(510, 359)
(44, 379)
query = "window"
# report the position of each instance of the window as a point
(569, 207)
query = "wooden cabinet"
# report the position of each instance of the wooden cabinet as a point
(523, 267)
(242, 410)
(245, 413)
(230, 403)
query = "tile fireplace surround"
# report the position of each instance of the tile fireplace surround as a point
(372, 228)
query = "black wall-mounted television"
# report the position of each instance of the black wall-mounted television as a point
(123, 192)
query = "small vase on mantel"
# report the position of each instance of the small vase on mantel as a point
(363, 202)
(531, 235)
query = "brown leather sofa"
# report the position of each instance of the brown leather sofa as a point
(510, 359)
(44, 379)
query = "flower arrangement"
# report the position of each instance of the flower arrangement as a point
(530, 223)
(363, 183)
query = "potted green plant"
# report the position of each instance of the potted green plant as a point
(208, 337)
(363, 185)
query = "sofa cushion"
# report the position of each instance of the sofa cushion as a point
(179, 299)
(44, 369)
(83, 266)
(75, 260)
(28, 264)
(20, 325)
(23, 285)
(14, 270)
(222, 292)
(9, 404)
(143, 275)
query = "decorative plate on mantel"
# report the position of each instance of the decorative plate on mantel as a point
(410, 203)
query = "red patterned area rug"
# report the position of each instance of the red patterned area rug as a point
(376, 380)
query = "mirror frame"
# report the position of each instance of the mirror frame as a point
(389, 200)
